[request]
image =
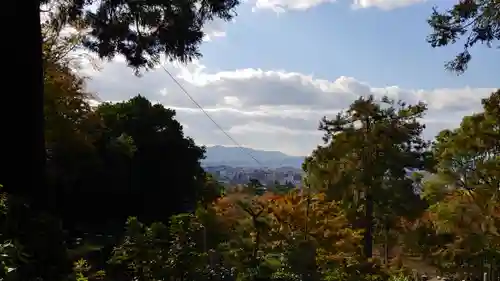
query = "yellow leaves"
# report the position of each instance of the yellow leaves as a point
(469, 223)
(464, 198)
(456, 211)
(289, 219)
(316, 218)
(69, 117)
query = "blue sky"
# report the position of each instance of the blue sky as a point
(376, 46)
(268, 77)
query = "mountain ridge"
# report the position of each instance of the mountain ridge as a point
(240, 157)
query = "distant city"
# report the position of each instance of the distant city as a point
(242, 175)
(234, 165)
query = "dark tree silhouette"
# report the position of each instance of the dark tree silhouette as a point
(147, 169)
(140, 30)
(474, 21)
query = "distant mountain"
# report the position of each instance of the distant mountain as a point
(240, 157)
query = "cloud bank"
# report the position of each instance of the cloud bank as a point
(281, 6)
(269, 109)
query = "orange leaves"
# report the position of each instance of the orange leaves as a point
(307, 231)
(291, 218)
(459, 228)
(227, 210)
(315, 218)
(236, 208)
(459, 212)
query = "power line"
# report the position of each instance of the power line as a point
(210, 117)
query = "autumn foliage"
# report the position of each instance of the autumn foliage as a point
(378, 202)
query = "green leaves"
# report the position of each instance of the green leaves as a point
(461, 223)
(469, 155)
(468, 21)
(143, 31)
(83, 272)
(369, 147)
(365, 162)
(143, 251)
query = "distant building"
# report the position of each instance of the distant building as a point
(241, 175)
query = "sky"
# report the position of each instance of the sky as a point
(271, 74)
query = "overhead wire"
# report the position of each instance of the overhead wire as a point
(210, 117)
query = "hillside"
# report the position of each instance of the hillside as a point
(239, 157)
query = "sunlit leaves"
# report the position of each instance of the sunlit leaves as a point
(284, 224)
(71, 128)
(470, 155)
(365, 162)
(462, 223)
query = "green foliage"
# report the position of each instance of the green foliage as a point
(106, 156)
(143, 31)
(131, 160)
(104, 164)
(150, 147)
(113, 155)
(143, 253)
(31, 244)
(474, 21)
(211, 190)
(254, 186)
(459, 230)
(155, 252)
(9, 252)
(469, 155)
(364, 163)
(82, 272)
(250, 233)
(281, 189)
(400, 277)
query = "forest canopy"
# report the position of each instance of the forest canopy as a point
(127, 199)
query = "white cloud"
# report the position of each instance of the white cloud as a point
(274, 110)
(281, 6)
(385, 4)
(214, 29)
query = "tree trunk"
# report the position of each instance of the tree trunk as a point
(27, 162)
(386, 242)
(256, 245)
(368, 182)
(368, 234)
